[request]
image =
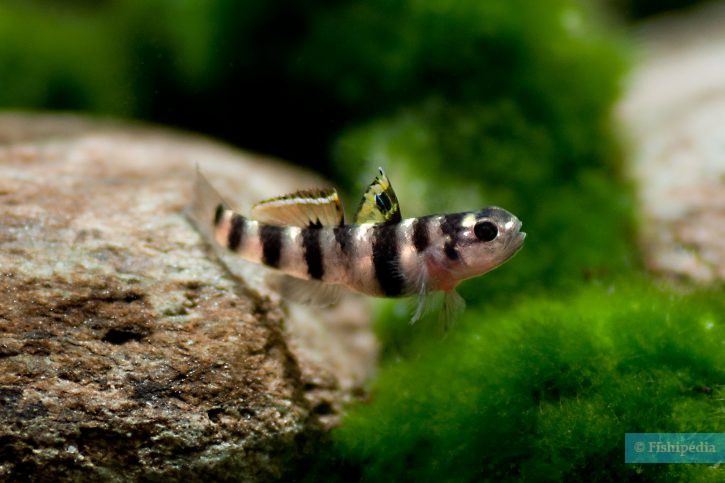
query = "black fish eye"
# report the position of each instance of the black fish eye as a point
(485, 231)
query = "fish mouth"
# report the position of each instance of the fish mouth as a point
(517, 240)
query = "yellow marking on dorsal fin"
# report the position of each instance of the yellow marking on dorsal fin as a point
(303, 208)
(379, 203)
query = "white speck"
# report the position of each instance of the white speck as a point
(72, 449)
(571, 20)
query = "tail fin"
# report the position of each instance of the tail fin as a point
(205, 206)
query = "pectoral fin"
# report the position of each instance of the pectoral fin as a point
(453, 307)
(421, 303)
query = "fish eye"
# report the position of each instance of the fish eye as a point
(485, 231)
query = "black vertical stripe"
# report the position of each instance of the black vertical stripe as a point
(343, 237)
(236, 231)
(421, 239)
(450, 250)
(451, 227)
(451, 224)
(313, 252)
(386, 260)
(271, 239)
(218, 213)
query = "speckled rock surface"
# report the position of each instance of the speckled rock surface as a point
(127, 350)
(674, 116)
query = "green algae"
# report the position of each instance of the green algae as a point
(546, 390)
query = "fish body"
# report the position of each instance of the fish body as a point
(304, 236)
(384, 260)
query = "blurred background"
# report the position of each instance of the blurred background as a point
(466, 104)
(287, 78)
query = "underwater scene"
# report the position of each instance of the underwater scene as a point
(534, 277)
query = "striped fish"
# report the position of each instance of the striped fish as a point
(304, 236)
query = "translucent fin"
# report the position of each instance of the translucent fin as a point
(379, 203)
(421, 305)
(420, 279)
(205, 206)
(453, 307)
(303, 208)
(310, 292)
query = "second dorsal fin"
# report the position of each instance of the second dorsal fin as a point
(379, 203)
(320, 207)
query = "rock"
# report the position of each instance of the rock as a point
(673, 112)
(127, 350)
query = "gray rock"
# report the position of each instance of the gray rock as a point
(673, 113)
(127, 350)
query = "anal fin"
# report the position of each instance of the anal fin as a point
(310, 292)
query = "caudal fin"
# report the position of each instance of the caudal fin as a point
(205, 206)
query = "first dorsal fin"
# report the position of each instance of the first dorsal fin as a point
(379, 203)
(319, 207)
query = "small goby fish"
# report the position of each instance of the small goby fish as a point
(304, 236)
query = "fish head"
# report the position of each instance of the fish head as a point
(484, 240)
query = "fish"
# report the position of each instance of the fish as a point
(305, 238)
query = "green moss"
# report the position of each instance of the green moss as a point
(546, 390)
